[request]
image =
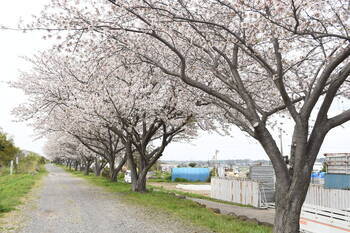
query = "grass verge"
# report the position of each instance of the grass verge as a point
(184, 209)
(14, 187)
(195, 195)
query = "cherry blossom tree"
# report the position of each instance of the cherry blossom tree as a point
(103, 101)
(108, 147)
(252, 59)
(61, 150)
(53, 110)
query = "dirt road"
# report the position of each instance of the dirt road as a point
(68, 204)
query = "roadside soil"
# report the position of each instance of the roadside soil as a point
(172, 186)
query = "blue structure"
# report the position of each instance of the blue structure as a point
(320, 175)
(337, 181)
(190, 173)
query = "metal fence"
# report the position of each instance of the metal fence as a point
(317, 219)
(236, 190)
(265, 175)
(331, 198)
(248, 192)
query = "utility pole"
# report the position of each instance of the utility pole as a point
(286, 159)
(281, 140)
(215, 158)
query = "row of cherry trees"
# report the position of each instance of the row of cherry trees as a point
(147, 70)
(101, 108)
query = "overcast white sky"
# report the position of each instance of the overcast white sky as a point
(16, 44)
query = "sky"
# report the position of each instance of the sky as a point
(14, 45)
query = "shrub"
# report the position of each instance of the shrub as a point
(4, 171)
(178, 179)
(168, 177)
(29, 164)
(105, 172)
(121, 175)
(42, 160)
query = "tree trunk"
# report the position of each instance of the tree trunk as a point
(76, 165)
(111, 169)
(290, 198)
(133, 170)
(140, 184)
(98, 167)
(288, 208)
(291, 183)
(114, 176)
(132, 165)
(117, 169)
(98, 171)
(87, 168)
(287, 217)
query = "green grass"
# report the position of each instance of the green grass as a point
(184, 209)
(195, 195)
(188, 194)
(14, 187)
(160, 180)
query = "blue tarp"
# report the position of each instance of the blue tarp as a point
(190, 173)
(318, 175)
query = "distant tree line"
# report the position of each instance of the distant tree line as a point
(8, 150)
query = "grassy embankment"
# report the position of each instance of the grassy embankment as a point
(166, 178)
(14, 187)
(194, 195)
(181, 208)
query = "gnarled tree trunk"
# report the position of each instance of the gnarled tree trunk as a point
(76, 164)
(87, 167)
(293, 179)
(98, 167)
(70, 164)
(140, 184)
(289, 201)
(115, 171)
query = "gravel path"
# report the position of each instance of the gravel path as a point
(68, 204)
